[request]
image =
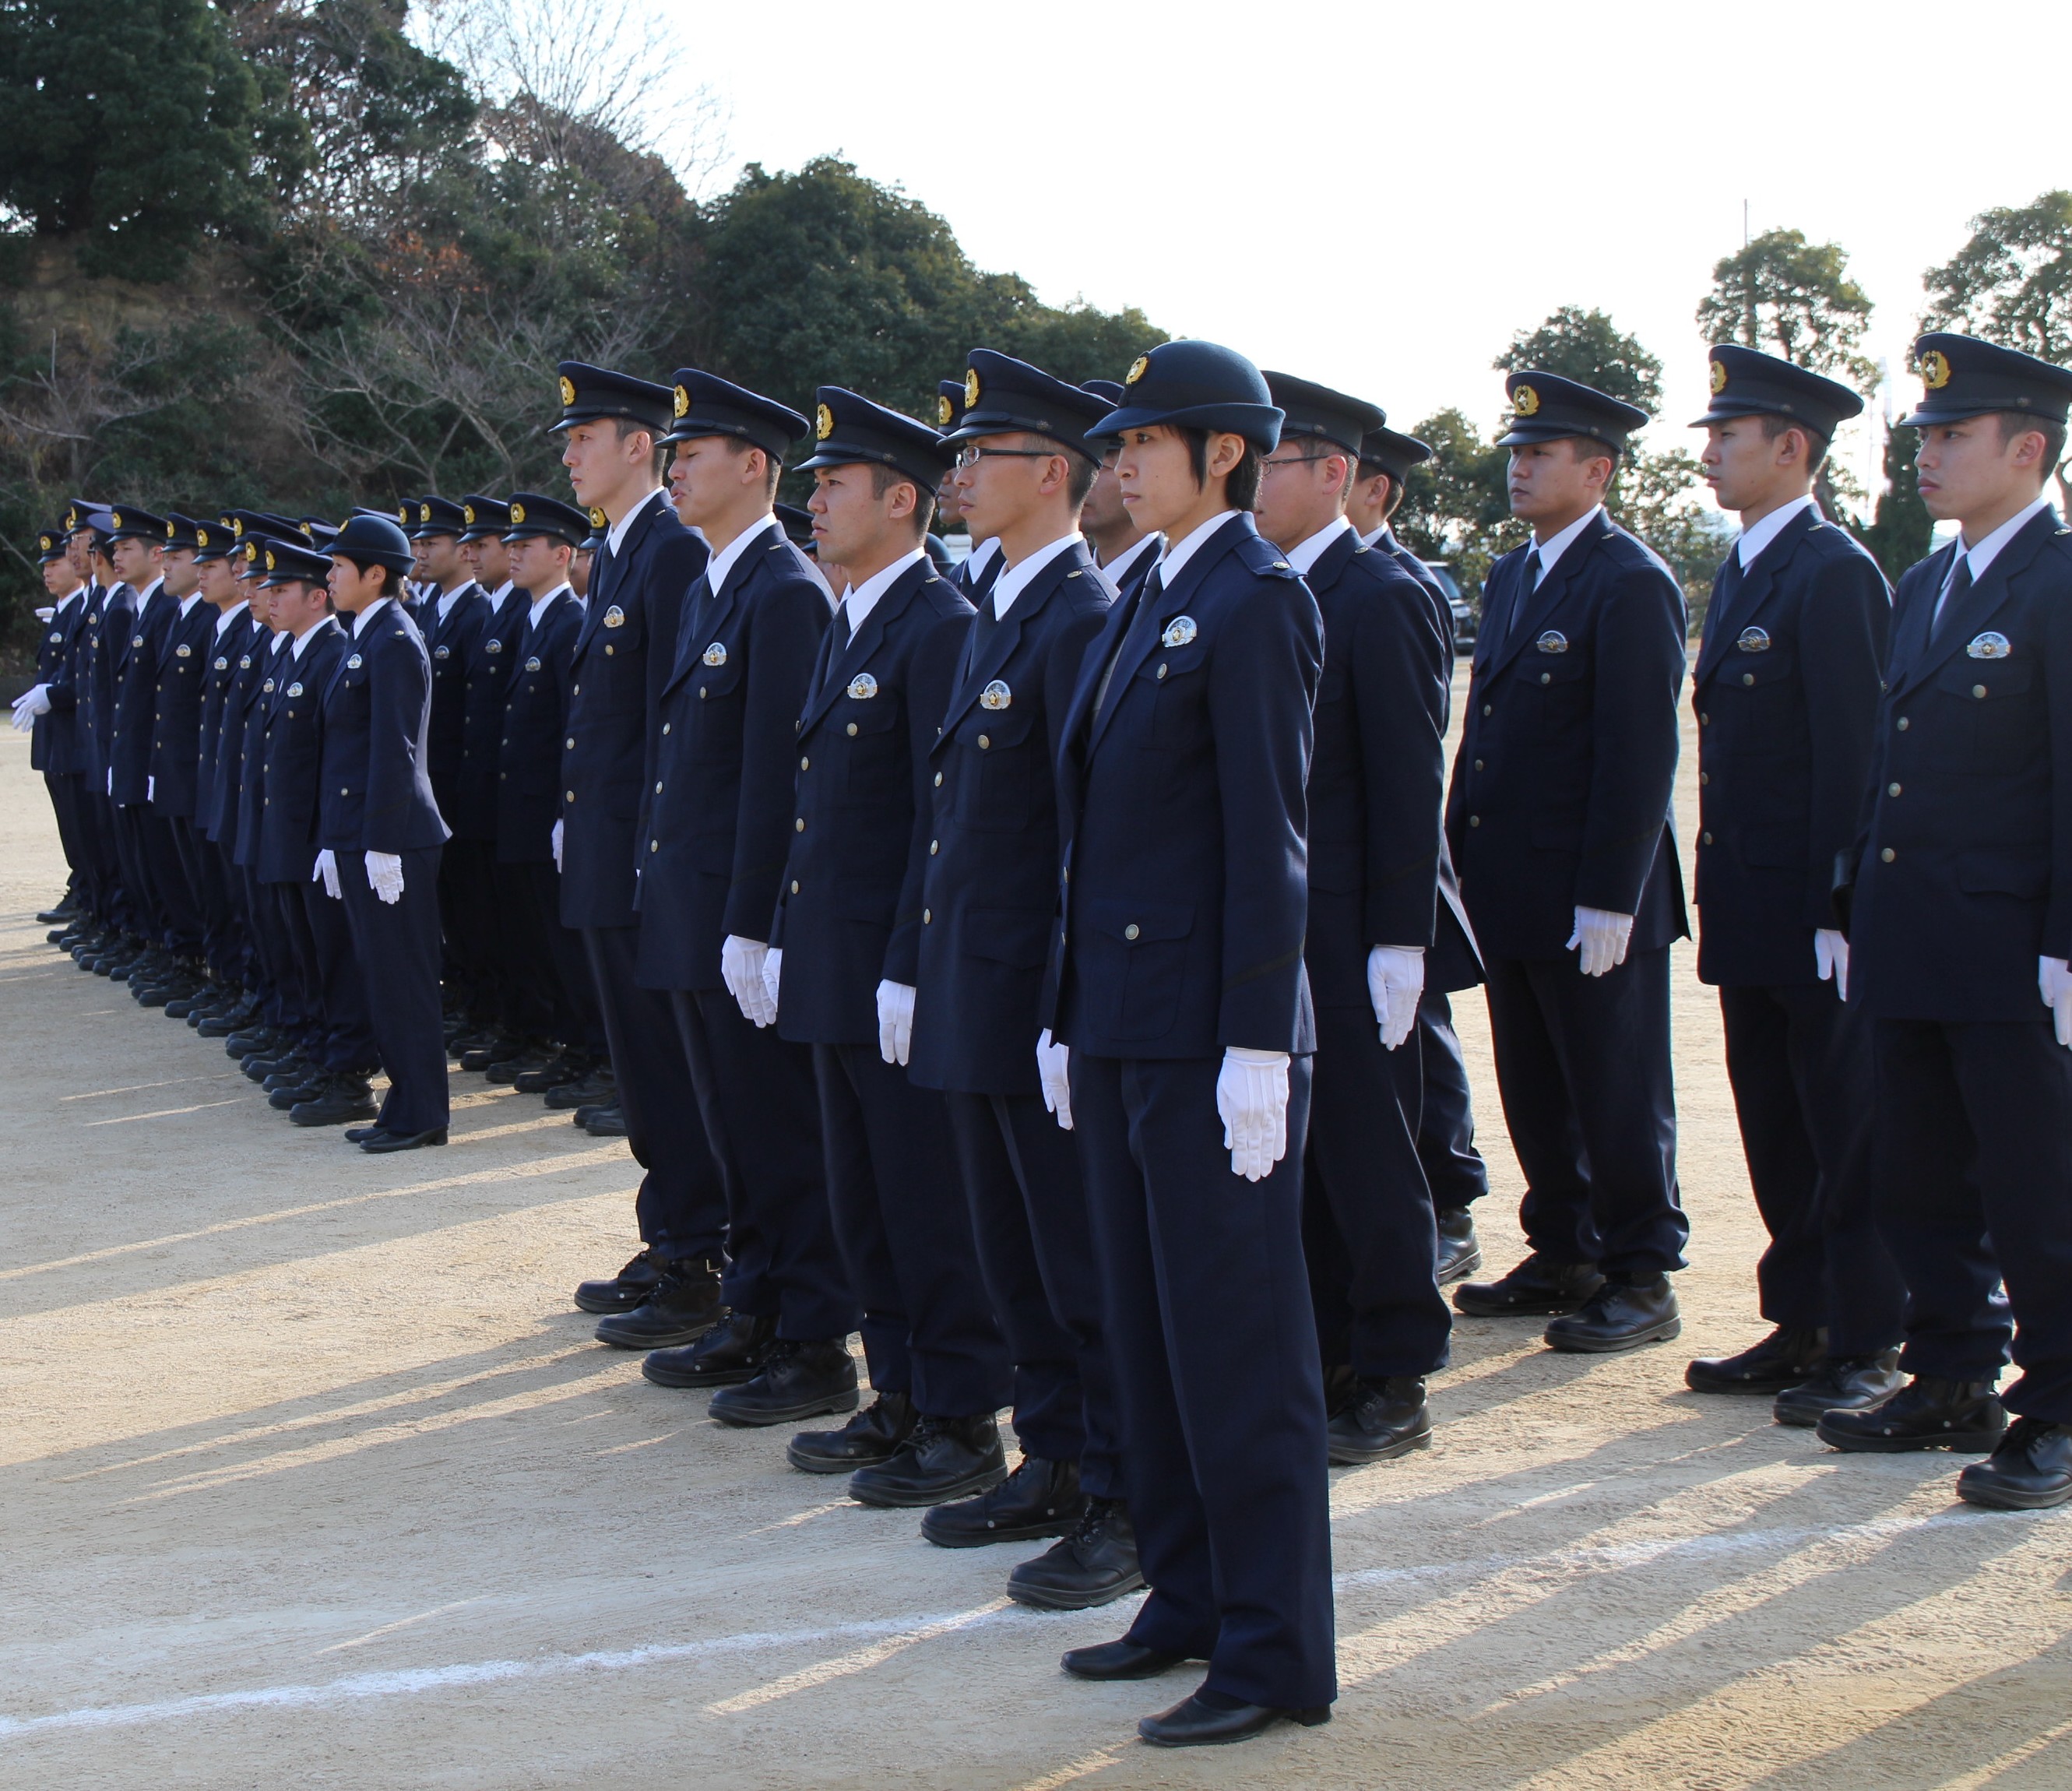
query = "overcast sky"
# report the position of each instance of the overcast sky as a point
(1379, 196)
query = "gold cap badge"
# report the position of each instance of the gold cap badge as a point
(1137, 370)
(201, 537)
(946, 413)
(517, 512)
(237, 528)
(568, 390)
(467, 514)
(971, 388)
(171, 530)
(269, 557)
(1935, 370)
(115, 516)
(1524, 401)
(424, 512)
(683, 402)
(824, 424)
(251, 553)
(1718, 377)
(596, 517)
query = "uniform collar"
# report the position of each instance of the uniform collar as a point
(1016, 579)
(1759, 535)
(540, 603)
(863, 598)
(308, 635)
(1984, 555)
(66, 602)
(723, 562)
(981, 556)
(222, 622)
(1125, 564)
(615, 539)
(1309, 552)
(1174, 560)
(1551, 551)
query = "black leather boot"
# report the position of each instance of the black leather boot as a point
(1093, 1565)
(1039, 1498)
(683, 1306)
(1536, 1286)
(1621, 1315)
(874, 1434)
(340, 1101)
(1387, 1418)
(2030, 1468)
(1460, 1250)
(799, 1378)
(1841, 1383)
(1789, 1354)
(942, 1459)
(731, 1353)
(1929, 1412)
(599, 1088)
(624, 1290)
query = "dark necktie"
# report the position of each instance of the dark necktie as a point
(1528, 582)
(1145, 600)
(1953, 594)
(840, 627)
(1732, 578)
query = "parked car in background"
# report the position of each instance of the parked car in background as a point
(1464, 611)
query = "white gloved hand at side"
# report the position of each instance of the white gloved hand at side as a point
(111, 780)
(2053, 982)
(740, 963)
(895, 1020)
(1830, 959)
(773, 973)
(1601, 937)
(557, 845)
(384, 876)
(1251, 1100)
(1395, 980)
(31, 703)
(150, 790)
(1054, 1063)
(325, 873)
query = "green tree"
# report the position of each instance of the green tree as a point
(1456, 506)
(1589, 347)
(129, 127)
(1793, 299)
(1900, 534)
(2011, 284)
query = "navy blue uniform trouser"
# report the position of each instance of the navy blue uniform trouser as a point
(189, 847)
(468, 924)
(1453, 1168)
(681, 1207)
(904, 1232)
(1021, 1173)
(553, 988)
(146, 918)
(273, 934)
(1582, 1064)
(176, 908)
(1971, 1157)
(760, 1109)
(1369, 1231)
(222, 934)
(1800, 1063)
(64, 811)
(121, 908)
(1207, 1305)
(333, 989)
(395, 947)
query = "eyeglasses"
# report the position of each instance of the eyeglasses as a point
(1297, 460)
(971, 455)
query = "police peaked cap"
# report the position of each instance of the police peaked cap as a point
(125, 523)
(1963, 376)
(590, 393)
(1747, 384)
(1004, 395)
(847, 429)
(1308, 409)
(1196, 385)
(705, 405)
(182, 531)
(51, 545)
(287, 562)
(1387, 451)
(1545, 407)
(434, 516)
(481, 517)
(534, 514)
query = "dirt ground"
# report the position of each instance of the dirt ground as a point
(311, 1476)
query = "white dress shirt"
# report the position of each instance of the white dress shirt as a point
(1550, 551)
(1980, 558)
(1175, 558)
(1125, 564)
(540, 603)
(306, 636)
(1016, 579)
(448, 599)
(222, 622)
(981, 556)
(616, 538)
(723, 562)
(1306, 556)
(1759, 535)
(862, 599)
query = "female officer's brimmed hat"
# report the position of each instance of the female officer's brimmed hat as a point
(1196, 385)
(374, 541)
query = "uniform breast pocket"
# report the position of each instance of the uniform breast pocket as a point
(1176, 679)
(872, 754)
(1566, 687)
(719, 684)
(1002, 762)
(1989, 713)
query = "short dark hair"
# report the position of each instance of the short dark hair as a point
(392, 581)
(1816, 444)
(658, 458)
(773, 464)
(1241, 483)
(2015, 422)
(883, 477)
(1589, 447)
(1080, 472)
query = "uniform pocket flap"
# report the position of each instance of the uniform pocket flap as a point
(2015, 873)
(1019, 938)
(1133, 921)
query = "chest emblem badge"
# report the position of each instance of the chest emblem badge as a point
(245, 664)
(1990, 645)
(295, 690)
(223, 665)
(267, 688)
(614, 617)
(137, 641)
(353, 663)
(996, 694)
(442, 652)
(182, 652)
(714, 655)
(56, 637)
(1752, 640)
(1179, 632)
(533, 664)
(492, 646)
(863, 687)
(1553, 641)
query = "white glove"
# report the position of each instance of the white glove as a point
(31, 703)
(2054, 982)
(1602, 935)
(557, 845)
(325, 873)
(384, 876)
(1830, 959)
(1395, 980)
(740, 963)
(150, 790)
(1054, 1062)
(895, 1020)
(111, 780)
(773, 972)
(1251, 1100)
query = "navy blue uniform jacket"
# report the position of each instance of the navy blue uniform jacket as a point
(133, 713)
(1964, 874)
(1787, 692)
(54, 740)
(448, 641)
(376, 793)
(488, 659)
(991, 883)
(243, 785)
(176, 728)
(1377, 775)
(623, 655)
(109, 624)
(718, 823)
(292, 755)
(536, 716)
(849, 913)
(1186, 876)
(1560, 792)
(226, 652)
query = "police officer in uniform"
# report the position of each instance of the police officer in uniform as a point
(1024, 466)
(1960, 930)
(379, 831)
(48, 712)
(1185, 1009)
(845, 948)
(176, 751)
(227, 935)
(1377, 785)
(613, 425)
(1124, 551)
(1559, 820)
(1453, 1168)
(1787, 690)
(716, 828)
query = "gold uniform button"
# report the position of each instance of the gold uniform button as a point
(1704, 721)
(576, 690)
(703, 693)
(852, 727)
(984, 742)
(1978, 690)
(1546, 677)
(933, 845)
(658, 787)
(1892, 790)
(572, 740)
(1478, 765)
(938, 780)
(1129, 932)
(572, 796)
(1474, 821)
(1748, 677)
(926, 917)
(1901, 724)
(1485, 708)
(805, 764)
(654, 845)
(1704, 839)
(798, 826)
(607, 652)
(1887, 855)
(1161, 671)
(665, 728)
(795, 886)
(1704, 778)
